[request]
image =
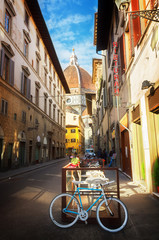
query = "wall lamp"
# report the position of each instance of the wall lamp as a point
(152, 15)
(146, 84)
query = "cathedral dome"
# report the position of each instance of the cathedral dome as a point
(77, 77)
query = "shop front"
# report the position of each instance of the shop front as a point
(153, 129)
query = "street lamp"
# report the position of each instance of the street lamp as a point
(146, 84)
(152, 15)
(122, 4)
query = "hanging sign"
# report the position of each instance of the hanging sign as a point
(115, 70)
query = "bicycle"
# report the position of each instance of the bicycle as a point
(111, 212)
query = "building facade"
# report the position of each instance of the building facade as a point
(130, 50)
(32, 88)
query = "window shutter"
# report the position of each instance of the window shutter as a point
(22, 83)
(11, 73)
(105, 103)
(2, 62)
(28, 88)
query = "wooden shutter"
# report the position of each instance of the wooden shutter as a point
(122, 54)
(2, 62)
(136, 23)
(28, 88)
(11, 73)
(22, 83)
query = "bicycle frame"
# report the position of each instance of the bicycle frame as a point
(77, 192)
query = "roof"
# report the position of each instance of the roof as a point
(105, 12)
(43, 30)
(77, 77)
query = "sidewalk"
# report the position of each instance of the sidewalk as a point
(18, 171)
(143, 209)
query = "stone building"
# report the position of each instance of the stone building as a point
(129, 45)
(32, 88)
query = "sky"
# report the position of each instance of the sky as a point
(71, 26)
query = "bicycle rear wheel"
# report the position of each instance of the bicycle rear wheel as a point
(112, 216)
(59, 208)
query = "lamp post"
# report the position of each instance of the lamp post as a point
(152, 15)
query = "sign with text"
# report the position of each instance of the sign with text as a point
(115, 69)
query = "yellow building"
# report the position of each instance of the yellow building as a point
(74, 133)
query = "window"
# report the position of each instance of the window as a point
(7, 65)
(37, 96)
(45, 104)
(54, 91)
(61, 118)
(50, 106)
(4, 107)
(26, 48)
(37, 41)
(23, 116)
(45, 79)
(54, 113)
(54, 74)
(37, 66)
(15, 116)
(26, 20)
(50, 85)
(9, 13)
(73, 140)
(25, 85)
(5, 75)
(50, 67)
(7, 21)
(73, 130)
(45, 57)
(58, 116)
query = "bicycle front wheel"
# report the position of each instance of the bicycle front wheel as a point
(64, 210)
(112, 215)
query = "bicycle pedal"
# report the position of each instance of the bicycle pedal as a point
(86, 222)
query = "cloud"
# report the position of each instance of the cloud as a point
(71, 25)
(55, 22)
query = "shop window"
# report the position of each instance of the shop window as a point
(73, 140)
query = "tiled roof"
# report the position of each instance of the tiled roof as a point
(76, 75)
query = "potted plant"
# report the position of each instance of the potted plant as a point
(156, 173)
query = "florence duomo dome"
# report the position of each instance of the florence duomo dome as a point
(80, 84)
